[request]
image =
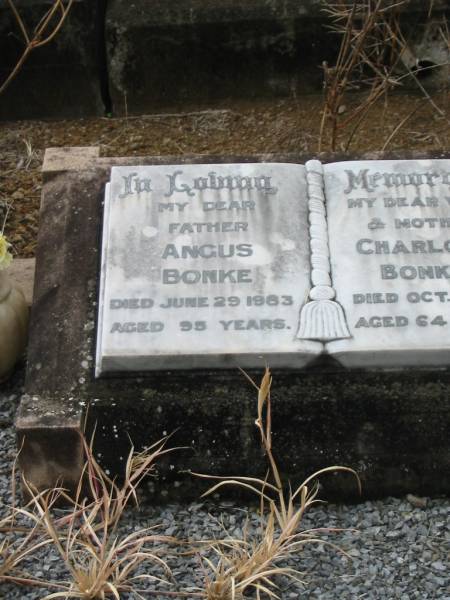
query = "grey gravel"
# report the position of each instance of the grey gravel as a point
(398, 548)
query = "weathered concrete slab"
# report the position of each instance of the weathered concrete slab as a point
(391, 427)
(21, 272)
(69, 159)
(59, 79)
(193, 51)
(202, 51)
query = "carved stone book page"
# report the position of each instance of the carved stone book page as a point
(389, 239)
(204, 266)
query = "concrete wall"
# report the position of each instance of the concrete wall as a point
(135, 57)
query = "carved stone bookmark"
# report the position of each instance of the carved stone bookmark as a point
(321, 318)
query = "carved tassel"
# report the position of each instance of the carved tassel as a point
(322, 318)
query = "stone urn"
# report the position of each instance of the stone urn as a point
(13, 324)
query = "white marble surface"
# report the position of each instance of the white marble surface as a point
(389, 235)
(166, 246)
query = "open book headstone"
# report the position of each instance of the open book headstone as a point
(267, 277)
(234, 264)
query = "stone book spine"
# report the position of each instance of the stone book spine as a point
(322, 317)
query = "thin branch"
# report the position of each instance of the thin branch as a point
(370, 51)
(35, 41)
(19, 21)
(398, 127)
(65, 12)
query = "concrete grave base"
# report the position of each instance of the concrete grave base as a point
(392, 427)
(21, 272)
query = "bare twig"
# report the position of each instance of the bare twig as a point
(371, 59)
(42, 34)
(398, 127)
(19, 21)
(369, 52)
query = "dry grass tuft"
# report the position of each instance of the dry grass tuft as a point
(100, 562)
(243, 564)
